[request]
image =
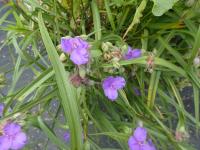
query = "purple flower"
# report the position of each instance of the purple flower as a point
(138, 141)
(111, 85)
(1, 109)
(66, 136)
(77, 48)
(132, 53)
(13, 137)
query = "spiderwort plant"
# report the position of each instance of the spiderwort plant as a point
(110, 25)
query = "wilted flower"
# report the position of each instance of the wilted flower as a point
(77, 48)
(138, 141)
(132, 53)
(1, 109)
(111, 85)
(66, 136)
(181, 134)
(13, 137)
(76, 80)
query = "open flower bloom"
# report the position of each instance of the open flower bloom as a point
(13, 137)
(132, 53)
(138, 141)
(111, 85)
(77, 48)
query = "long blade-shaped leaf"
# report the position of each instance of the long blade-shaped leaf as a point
(66, 90)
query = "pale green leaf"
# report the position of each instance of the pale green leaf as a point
(162, 6)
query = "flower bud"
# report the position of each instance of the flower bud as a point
(196, 61)
(62, 57)
(104, 47)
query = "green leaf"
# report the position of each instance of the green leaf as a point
(137, 16)
(157, 61)
(35, 84)
(96, 53)
(196, 102)
(162, 6)
(195, 49)
(96, 20)
(154, 81)
(109, 13)
(66, 90)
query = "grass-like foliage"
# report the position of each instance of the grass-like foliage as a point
(106, 93)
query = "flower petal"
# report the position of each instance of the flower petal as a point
(82, 43)
(19, 141)
(150, 143)
(132, 53)
(108, 82)
(111, 93)
(140, 134)
(66, 44)
(80, 56)
(119, 83)
(5, 143)
(12, 129)
(132, 143)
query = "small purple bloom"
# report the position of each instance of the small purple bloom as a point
(13, 137)
(111, 85)
(77, 48)
(66, 136)
(132, 53)
(1, 109)
(138, 141)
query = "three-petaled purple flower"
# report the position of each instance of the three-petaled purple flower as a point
(1, 109)
(132, 53)
(77, 48)
(111, 85)
(12, 137)
(138, 141)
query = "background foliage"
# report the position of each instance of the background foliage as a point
(168, 32)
